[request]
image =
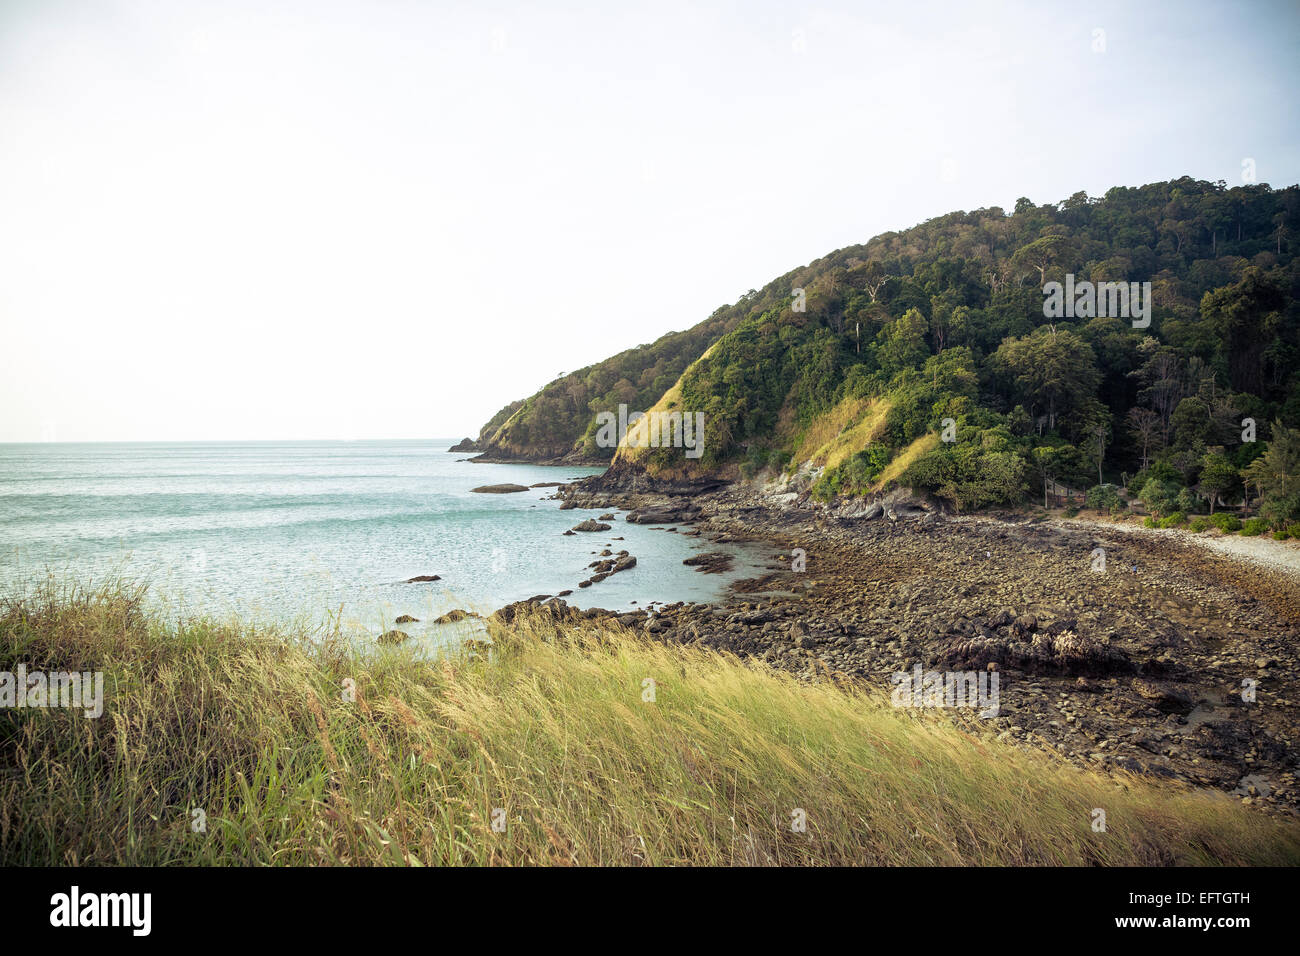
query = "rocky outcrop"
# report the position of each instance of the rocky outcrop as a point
(392, 637)
(453, 616)
(504, 489)
(710, 562)
(590, 525)
(423, 578)
(663, 516)
(465, 444)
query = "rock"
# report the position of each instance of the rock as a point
(556, 608)
(710, 562)
(506, 489)
(392, 637)
(590, 525)
(451, 617)
(546, 484)
(465, 444)
(659, 517)
(407, 619)
(421, 578)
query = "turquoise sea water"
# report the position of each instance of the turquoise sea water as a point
(280, 531)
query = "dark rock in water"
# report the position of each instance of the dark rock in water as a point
(710, 562)
(622, 564)
(420, 578)
(546, 484)
(607, 517)
(465, 444)
(407, 619)
(506, 489)
(392, 637)
(591, 525)
(584, 584)
(556, 608)
(564, 593)
(568, 505)
(539, 598)
(451, 617)
(568, 534)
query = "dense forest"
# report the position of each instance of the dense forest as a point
(925, 358)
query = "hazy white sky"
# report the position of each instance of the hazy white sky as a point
(377, 219)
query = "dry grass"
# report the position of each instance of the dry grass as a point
(904, 459)
(847, 429)
(252, 727)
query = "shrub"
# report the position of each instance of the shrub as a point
(1226, 523)
(1174, 520)
(1280, 535)
(1200, 523)
(1253, 526)
(1071, 511)
(1103, 498)
(1160, 497)
(1151, 522)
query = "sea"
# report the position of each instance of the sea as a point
(319, 533)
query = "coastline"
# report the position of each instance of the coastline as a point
(1133, 672)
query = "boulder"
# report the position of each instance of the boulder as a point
(452, 616)
(407, 619)
(392, 637)
(590, 525)
(506, 489)
(421, 578)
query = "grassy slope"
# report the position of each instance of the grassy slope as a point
(847, 429)
(251, 726)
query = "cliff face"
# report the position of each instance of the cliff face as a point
(856, 363)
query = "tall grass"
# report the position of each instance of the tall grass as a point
(550, 728)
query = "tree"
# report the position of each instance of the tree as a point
(1041, 254)
(1054, 369)
(1246, 317)
(904, 346)
(1277, 474)
(1144, 424)
(1159, 497)
(1161, 373)
(1098, 436)
(1218, 478)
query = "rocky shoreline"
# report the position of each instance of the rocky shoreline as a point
(1145, 667)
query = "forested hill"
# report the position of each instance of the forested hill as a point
(945, 320)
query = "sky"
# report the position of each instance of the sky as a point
(384, 219)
